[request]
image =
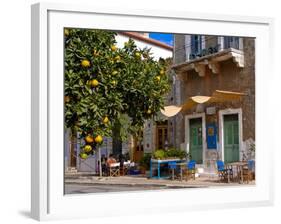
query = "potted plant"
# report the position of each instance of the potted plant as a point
(252, 150)
(171, 153)
(159, 154)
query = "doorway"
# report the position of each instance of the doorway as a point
(230, 134)
(196, 140)
(162, 135)
(231, 138)
(138, 147)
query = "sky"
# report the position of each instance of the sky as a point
(163, 37)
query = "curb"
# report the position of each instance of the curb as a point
(142, 185)
(137, 184)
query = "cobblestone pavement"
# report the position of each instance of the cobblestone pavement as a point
(88, 183)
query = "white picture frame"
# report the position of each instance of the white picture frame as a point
(48, 201)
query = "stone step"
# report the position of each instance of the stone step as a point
(71, 170)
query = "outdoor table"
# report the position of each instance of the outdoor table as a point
(239, 168)
(158, 162)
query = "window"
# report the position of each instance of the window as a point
(196, 44)
(231, 42)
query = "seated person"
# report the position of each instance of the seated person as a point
(113, 166)
(110, 160)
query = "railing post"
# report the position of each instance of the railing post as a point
(221, 43)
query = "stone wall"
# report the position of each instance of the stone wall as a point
(179, 49)
(177, 122)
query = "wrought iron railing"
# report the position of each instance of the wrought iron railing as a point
(202, 46)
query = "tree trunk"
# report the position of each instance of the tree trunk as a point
(73, 141)
(116, 139)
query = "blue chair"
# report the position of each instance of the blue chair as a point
(223, 172)
(251, 165)
(172, 166)
(252, 168)
(249, 171)
(191, 164)
(190, 171)
(220, 165)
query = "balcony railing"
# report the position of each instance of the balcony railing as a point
(200, 47)
(204, 52)
(210, 53)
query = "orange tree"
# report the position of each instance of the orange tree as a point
(102, 82)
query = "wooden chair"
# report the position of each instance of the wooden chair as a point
(190, 170)
(248, 171)
(223, 172)
(172, 167)
(114, 170)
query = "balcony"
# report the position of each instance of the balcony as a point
(212, 59)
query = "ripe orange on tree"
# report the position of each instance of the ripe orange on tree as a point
(85, 63)
(89, 139)
(113, 47)
(105, 120)
(114, 82)
(88, 148)
(138, 55)
(117, 58)
(94, 83)
(158, 78)
(98, 139)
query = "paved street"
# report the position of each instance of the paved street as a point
(101, 188)
(79, 184)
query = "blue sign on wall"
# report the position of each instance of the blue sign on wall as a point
(211, 136)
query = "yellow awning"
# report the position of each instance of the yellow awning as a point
(170, 111)
(194, 100)
(222, 96)
(217, 97)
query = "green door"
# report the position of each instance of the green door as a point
(231, 138)
(195, 136)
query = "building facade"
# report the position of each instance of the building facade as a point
(210, 131)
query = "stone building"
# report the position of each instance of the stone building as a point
(210, 131)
